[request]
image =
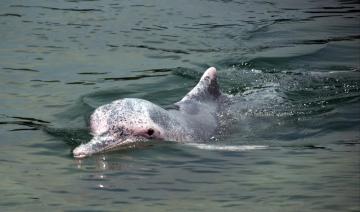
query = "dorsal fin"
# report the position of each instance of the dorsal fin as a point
(206, 89)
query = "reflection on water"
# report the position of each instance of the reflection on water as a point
(292, 67)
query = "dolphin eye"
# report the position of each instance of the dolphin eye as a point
(150, 132)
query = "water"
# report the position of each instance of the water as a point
(292, 143)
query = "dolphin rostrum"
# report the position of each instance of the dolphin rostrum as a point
(129, 121)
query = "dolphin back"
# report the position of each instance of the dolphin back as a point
(198, 109)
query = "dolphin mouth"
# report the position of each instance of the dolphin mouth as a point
(103, 144)
(82, 151)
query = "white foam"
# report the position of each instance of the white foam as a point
(232, 148)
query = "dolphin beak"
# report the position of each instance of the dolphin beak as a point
(82, 151)
(100, 144)
(87, 149)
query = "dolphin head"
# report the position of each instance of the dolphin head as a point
(123, 123)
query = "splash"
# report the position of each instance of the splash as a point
(232, 148)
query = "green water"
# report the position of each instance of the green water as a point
(293, 68)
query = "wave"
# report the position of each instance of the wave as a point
(231, 148)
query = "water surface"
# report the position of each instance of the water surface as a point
(294, 66)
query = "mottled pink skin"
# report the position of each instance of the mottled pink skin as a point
(128, 121)
(128, 114)
(98, 122)
(211, 72)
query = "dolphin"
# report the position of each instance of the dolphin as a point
(129, 121)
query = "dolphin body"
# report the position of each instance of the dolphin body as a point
(129, 121)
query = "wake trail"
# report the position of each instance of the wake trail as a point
(232, 148)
